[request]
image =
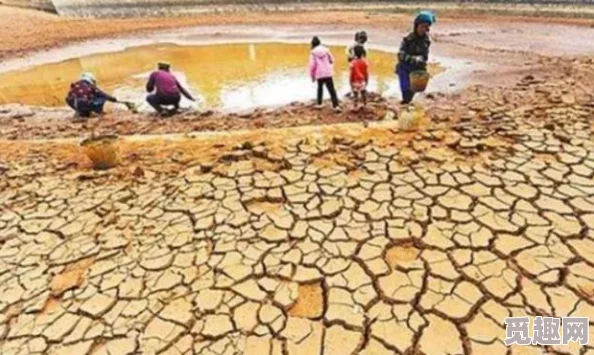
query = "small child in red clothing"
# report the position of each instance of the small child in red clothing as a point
(359, 76)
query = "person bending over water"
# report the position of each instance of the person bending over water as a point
(414, 53)
(167, 89)
(86, 98)
(321, 70)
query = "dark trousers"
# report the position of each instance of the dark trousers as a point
(158, 101)
(85, 108)
(403, 70)
(329, 83)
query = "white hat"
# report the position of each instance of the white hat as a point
(88, 77)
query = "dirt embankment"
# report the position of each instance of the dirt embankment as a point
(19, 38)
(475, 122)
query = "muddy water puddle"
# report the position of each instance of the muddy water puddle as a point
(227, 77)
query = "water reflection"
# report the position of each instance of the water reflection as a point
(223, 76)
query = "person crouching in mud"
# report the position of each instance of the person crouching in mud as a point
(167, 89)
(321, 68)
(86, 98)
(414, 53)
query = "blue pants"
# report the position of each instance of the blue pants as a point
(403, 70)
(85, 108)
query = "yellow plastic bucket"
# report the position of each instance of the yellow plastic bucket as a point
(419, 80)
(102, 151)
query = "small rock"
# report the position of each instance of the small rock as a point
(568, 99)
(438, 135)
(421, 146)
(562, 137)
(207, 113)
(555, 99)
(437, 155)
(466, 117)
(22, 113)
(470, 144)
(235, 156)
(453, 140)
(61, 167)
(409, 155)
(247, 145)
(528, 78)
(260, 152)
(341, 141)
(138, 172)
(206, 168)
(549, 126)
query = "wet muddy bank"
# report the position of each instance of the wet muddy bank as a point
(458, 48)
(226, 77)
(514, 50)
(536, 95)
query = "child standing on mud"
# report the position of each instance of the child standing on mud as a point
(321, 70)
(360, 40)
(359, 76)
(414, 53)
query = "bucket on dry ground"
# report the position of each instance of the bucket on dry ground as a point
(410, 118)
(419, 80)
(102, 151)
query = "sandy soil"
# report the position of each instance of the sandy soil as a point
(18, 37)
(322, 239)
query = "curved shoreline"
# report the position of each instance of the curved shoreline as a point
(18, 39)
(501, 60)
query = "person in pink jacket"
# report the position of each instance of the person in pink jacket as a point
(321, 70)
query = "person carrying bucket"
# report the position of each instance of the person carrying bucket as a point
(167, 89)
(86, 98)
(414, 53)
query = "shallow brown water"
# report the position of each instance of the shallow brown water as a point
(228, 77)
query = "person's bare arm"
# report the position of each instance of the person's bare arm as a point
(184, 91)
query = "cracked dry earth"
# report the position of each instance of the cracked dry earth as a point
(329, 246)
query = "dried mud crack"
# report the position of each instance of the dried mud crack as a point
(311, 240)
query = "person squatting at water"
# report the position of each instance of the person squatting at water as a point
(321, 70)
(360, 40)
(359, 76)
(414, 53)
(86, 98)
(167, 89)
